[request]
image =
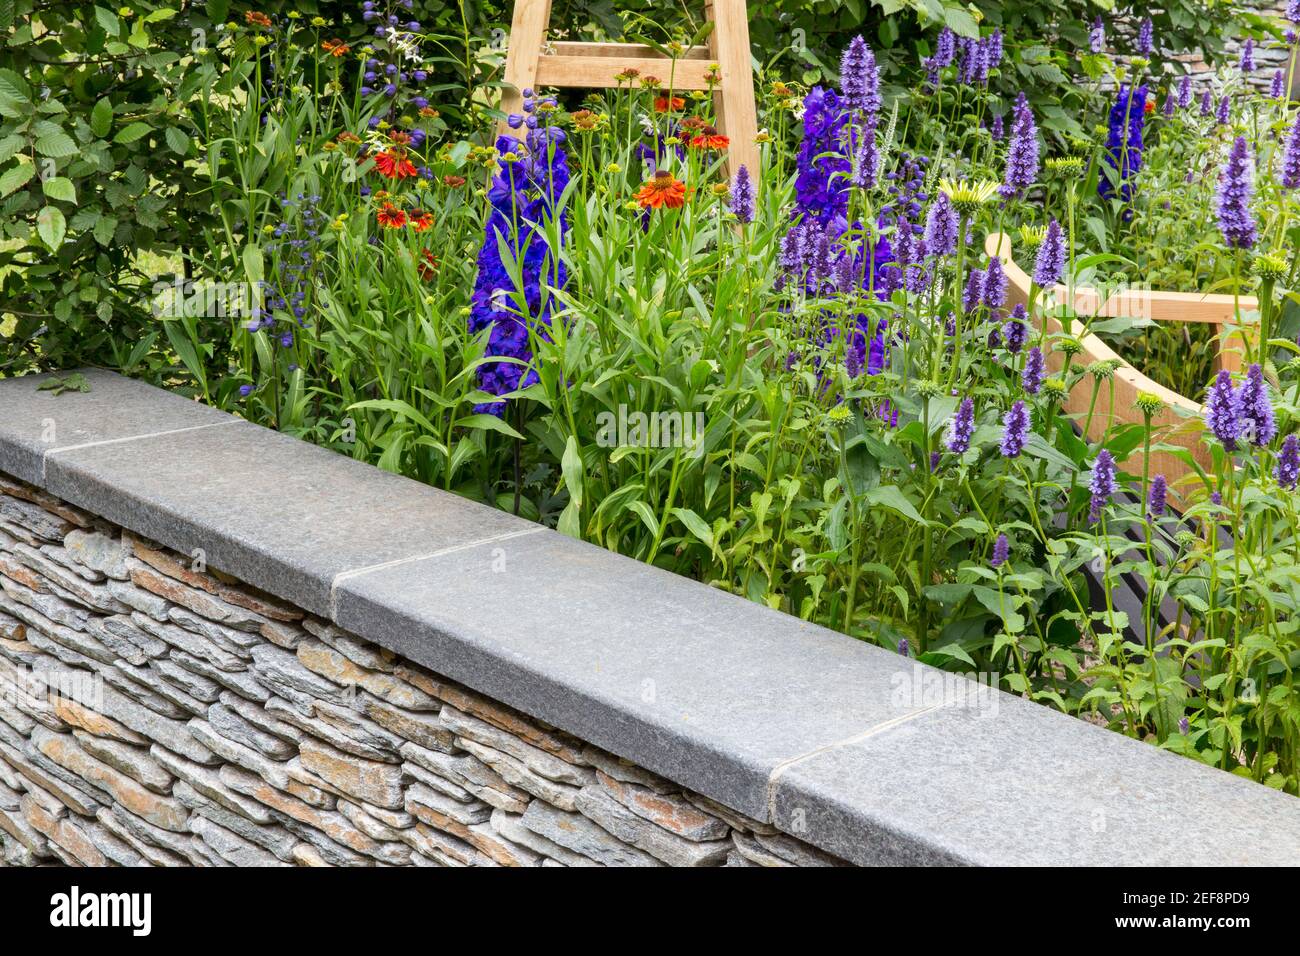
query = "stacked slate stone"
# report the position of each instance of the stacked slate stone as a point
(200, 722)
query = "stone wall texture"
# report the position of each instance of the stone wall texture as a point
(154, 712)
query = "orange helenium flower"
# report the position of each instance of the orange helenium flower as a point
(391, 217)
(253, 18)
(335, 47)
(394, 164)
(455, 182)
(664, 104)
(709, 138)
(421, 220)
(427, 265)
(662, 190)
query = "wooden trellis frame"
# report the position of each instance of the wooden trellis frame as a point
(531, 61)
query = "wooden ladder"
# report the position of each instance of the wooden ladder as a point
(532, 62)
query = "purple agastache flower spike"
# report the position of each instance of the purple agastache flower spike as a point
(1032, 376)
(1288, 463)
(903, 648)
(1222, 415)
(1001, 551)
(1022, 152)
(941, 227)
(1015, 332)
(996, 127)
(1278, 87)
(859, 78)
(946, 47)
(1216, 497)
(1097, 35)
(974, 292)
(741, 199)
(995, 285)
(1170, 104)
(1223, 115)
(1050, 264)
(1257, 422)
(1233, 202)
(1124, 140)
(1291, 158)
(1247, 61)
(1015, 430)
(1146, 37)
(866, 161)
(1184, 725)
(961, 427)
(1185, 91)
(1207, 103)
(1102, 484)
(1156, 496)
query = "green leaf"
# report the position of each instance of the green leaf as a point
(9, 146)
(60, 188)
(51, 227)
(892, 497)
(14, 87)
(108, 22)
(570, 522)
(19, 175)
(252, 257)
(104, 230)
(132, 132)
(177, 140)
(101, 117)
(696, 525)
(56, 145)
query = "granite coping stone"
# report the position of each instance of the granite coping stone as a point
(825, 736)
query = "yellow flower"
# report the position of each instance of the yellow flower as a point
(318, 21)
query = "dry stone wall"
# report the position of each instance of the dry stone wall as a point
(154, 712)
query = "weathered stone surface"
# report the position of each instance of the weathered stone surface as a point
(443, 848)
(510, 826)
(12, 629)
(324, 660)
(235, 641)
(88, 720)
(575, 832)
(793, 851)
(128, 641)
(283, 635)
(136, 762)
(64, 750)
(139, 599)
(673, 812)
(63, 557)
(95, 596)
(420, 800)
(355, 649)
(333, 825)
(196, 645)
(38, 496)
(396, 819)
(148, 687)
(194, 684)
(283, 673)
(511, 721)
(200, 602)
(111, 820)
(230, 846)
(165, 843)
(234, 727)
(620, 769)
(173, 566)
(209, 783)
(342, 728)
(470, 773)
(748, 848)
(37, 520)
(414, 772)
(516, 774)
(244, 682)
(422, 728)
(304, 854)
(14, 823)
(172, 734)
(64, 832)
(371, 826)
(533, 758)
(368, 780)
(48, 776)
(273, 772)
(98, 552)
(596, 803)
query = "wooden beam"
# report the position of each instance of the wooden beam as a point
(601, 71)
(527, 30)
(636, 51)
(733, 100)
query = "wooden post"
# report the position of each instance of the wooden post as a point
(531, 61)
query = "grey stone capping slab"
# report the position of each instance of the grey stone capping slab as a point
(822, 735)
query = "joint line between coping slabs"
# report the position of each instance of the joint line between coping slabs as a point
(117, 441)
(357, 572)
(785, 765)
